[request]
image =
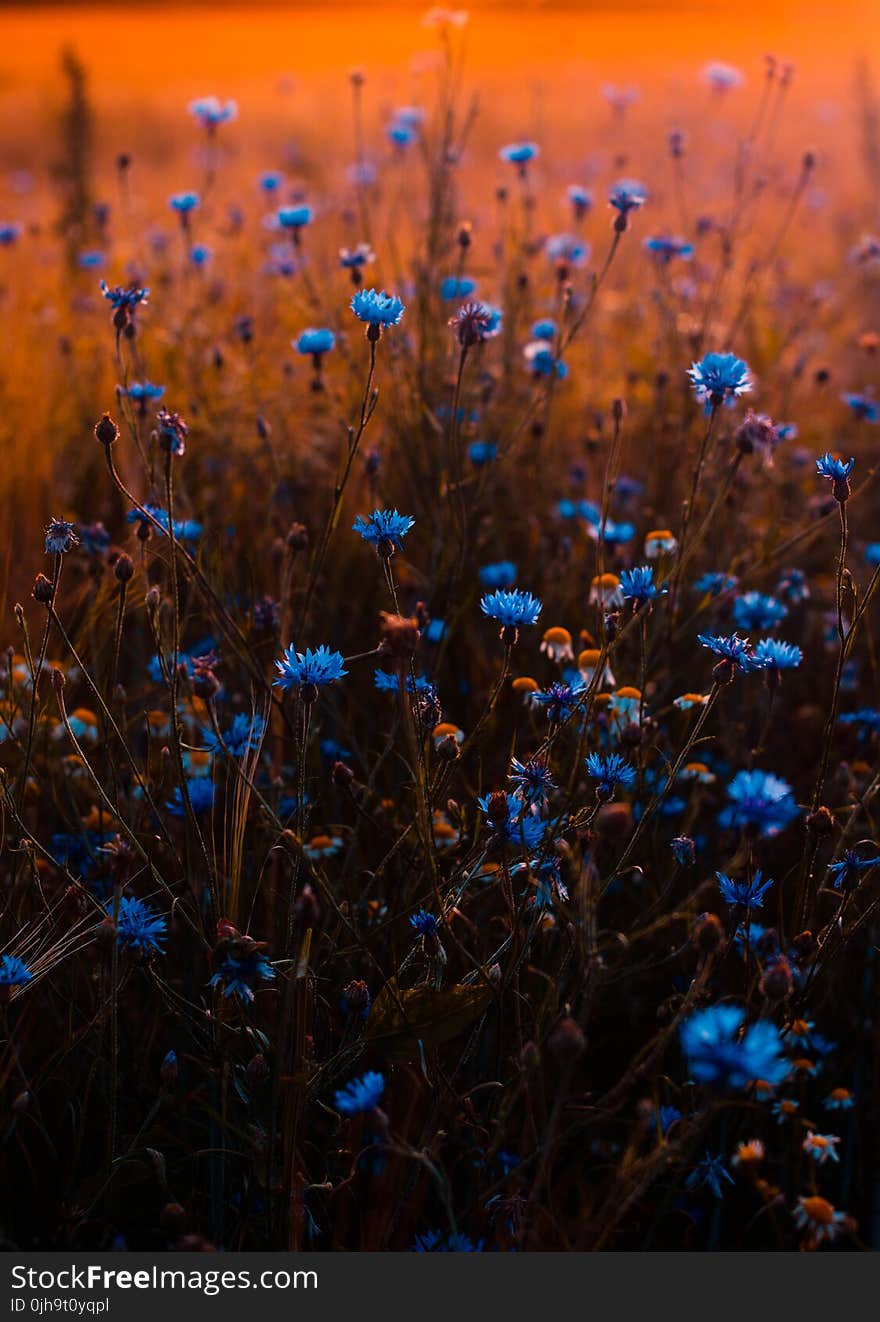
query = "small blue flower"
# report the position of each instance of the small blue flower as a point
(512, 609)
(243, 736)
(360, 1095)
(715, 584)
(865, 407)
(738, 651)
(747, 894)
(847, 870)
(544, 330)
(664, 247)
(315, 342)
(313, 668)
(481, 453)
(61, 536)
(501, 574)
(684, 850)
(200, 254)
(719, 378)
(143, 391)
(138, 928)
(127, 299)
(377, 309)
(755, 610)
(424, 923)
(237, 975)
(638, 584)
(184, 203)
(835, 469)
(568, 249)
(454, 288)
(210, 112)
(778, 655)
(531, 780)
(627, 195)
(718, 1052)
(559, 700)
(295, 218)
(384, 529)
(759, 800)
(201, 796)
(271, 181)
(13, 971)
(519, 153)
(542, 360)
(610, 771)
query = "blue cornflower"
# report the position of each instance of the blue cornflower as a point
(519, 153)
(865, 407)
(778, 655)
(512, 609)
(531, 780)
(311, 669)
(519, 825)
(481, 453)
(315, 342)
(172, 432)
(542, 360)
(210, 111)
(61, 536)
(736, 651)
(567, 248)
(610, 771)
(243, 736)
(847, 871)
(580, 198)
(719, 1053)
(384, 529)
(718, 378)
(501, 574)
(755, 610)
(91, 260)
(867, 718)
(184, 203)
(9, 233)
(138, 928)
(708, 1173)
(684, 850)
(544, 330)
(13, 971)
(200, 254)
(872, 553)
(127, 299)
(271, 181)
(747, 894)
(435, 1241)
(715, 583)
(295, 218)
(664, 247)
(201, 796)
(455, 287)
(142, 391)
(838, 472)
(363, 1094)
(424, 923)
(474, 323)
(377, 309)
(387, 683)
(238, 973)
(627, 195)
(759, 800)
(638, 584)
(559, 700)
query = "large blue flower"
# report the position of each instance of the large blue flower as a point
(511, 609)
(377, 309)
(384, 526)
(138, 928)
(759, 800)
(718, 1052)
(719, 378)
(313, 667)
(362, 1094)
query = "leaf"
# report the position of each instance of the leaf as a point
(399, 1020)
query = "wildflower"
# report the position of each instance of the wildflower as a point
(785, 1109)
(736, 654)
(544, 330)
(474, 323)
(847, 870)
(719, 378)
(532, 781)
(686, 701)
(13, 973)
(424, 923)
(355, 259)
(684, 851)
(210, 112)
(865, 407)
(184, 203)
(747, 894)
(715, 584)
(627, 195)
(559, 701)
(838, 473)
(777, 655)
(760, 801)
(866, 718)
(361, 1094)
(172, 431)
(722, 77)
(750, 1153)
(609, 771)
(434, 1241)
(238, 973)
(817, 1216)
(821, 1147)
(719, 1052)
(481, 453)
(664, 248)
(143, 391)
(839, 1099)
(660, 541)
(310, 670)
(638, 584)
(520, 153)
(581, 200)
(556, 644)
(755, 610)
(567, 250)
(708, 1173)
(315, 342)
(125, 300)
(457, 287)
(243, 736)
(200, 791)
(295, 218)
(61, 537)
(377, 310)
(384, 529)
(322, 846)
(138, 928)
(501, 574)
(512, 609)
(605, 591)
(9, 233)
(512, 819)
(542, 360)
